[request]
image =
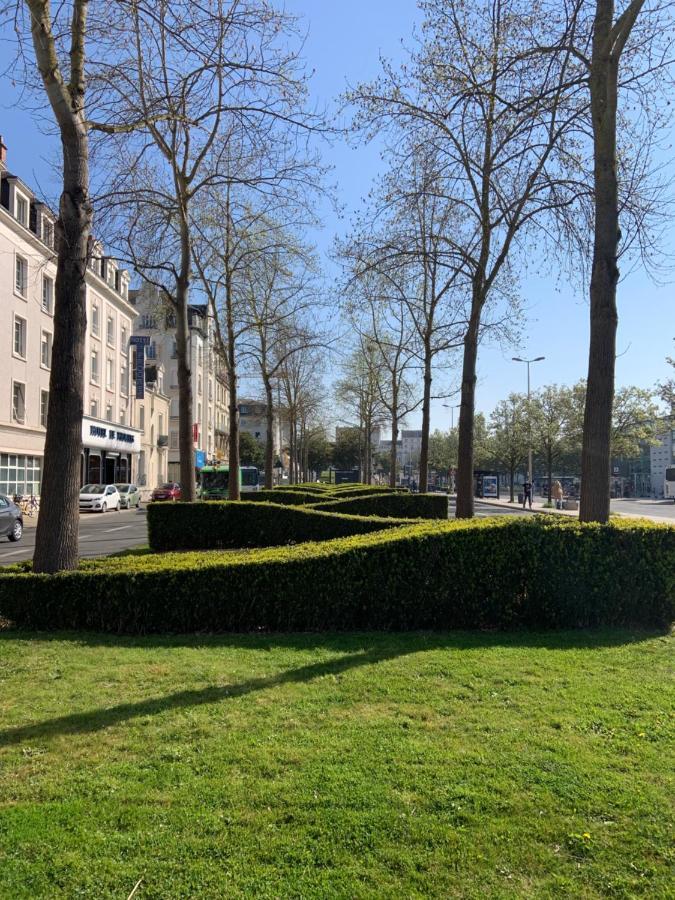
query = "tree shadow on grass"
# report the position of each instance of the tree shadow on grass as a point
(359, 649)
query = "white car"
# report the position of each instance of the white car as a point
(99, 498)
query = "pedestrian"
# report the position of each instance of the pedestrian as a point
(527, 493)
(558, 494)
(413, 485)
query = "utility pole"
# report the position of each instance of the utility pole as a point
(528, 362)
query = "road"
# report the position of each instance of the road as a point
(100, 534)
(112, 532)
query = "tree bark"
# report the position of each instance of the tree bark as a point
(594, 503)
(465, 506)
(549, 463)
(56, 538)
(184, 372)
(269, 437)
(426, 422)
(392, 452)
(233, 491)
(512, 476)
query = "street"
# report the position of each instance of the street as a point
(100, 534)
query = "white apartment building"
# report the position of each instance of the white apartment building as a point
(253, 420)
(27, 276)
(662, 456)
(209, 384)
(151, 417)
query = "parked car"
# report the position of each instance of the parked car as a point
(129, 495)
(99, 498)
(168, 491)
(11, 519)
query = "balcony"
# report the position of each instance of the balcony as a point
(162, 440)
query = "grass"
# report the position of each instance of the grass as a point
(383, 766)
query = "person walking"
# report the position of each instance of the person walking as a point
(527, 493)
(558, 494)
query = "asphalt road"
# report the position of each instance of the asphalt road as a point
(100, 534)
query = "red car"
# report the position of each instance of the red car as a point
(168, 491)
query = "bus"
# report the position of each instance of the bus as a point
(669, 484)
(214, 481)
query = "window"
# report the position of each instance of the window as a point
(148, 321)
(199, 384)
(46, 350)
(19, 474)
(110, 331)
(20, 336)
(93, 409)
(22, 210)
(199, 413)
(110, 373)
(19, 402)
(124, 378)
(123, 415)
(174, 378)
(44, 406)
(141, 417)
(173, 440)
(124, 338)
(109, 412)
(94, 366)
(48, 232)
(94, 318)
(161, 424)
(151, 350)
(47, 294)
(21, 276)
(174, 350)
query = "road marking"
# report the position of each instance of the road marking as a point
(119, 528)
(14, 552)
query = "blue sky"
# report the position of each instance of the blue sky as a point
(343, 44)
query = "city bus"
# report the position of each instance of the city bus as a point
(669, 484)
(214, 481)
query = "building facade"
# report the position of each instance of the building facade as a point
(209, 383)
(151, 418)
(253, 420)
(662, 456)
(111, 445)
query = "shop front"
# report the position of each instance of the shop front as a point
(110, 452)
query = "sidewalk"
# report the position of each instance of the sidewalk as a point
(538, 507)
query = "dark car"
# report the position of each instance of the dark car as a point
(11, 519)
(168, 491)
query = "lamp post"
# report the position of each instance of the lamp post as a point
(528, 362)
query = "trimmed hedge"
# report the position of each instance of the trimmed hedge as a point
(282, 495)
(496, 573)
(223, 524)
(401, 505)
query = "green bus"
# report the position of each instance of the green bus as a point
(214, 481)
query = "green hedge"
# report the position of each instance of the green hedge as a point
(224, 524)
(282, 495)
(401, 505)
(496, 573)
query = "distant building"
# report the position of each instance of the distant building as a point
(411, 447)
(662, 455)
(209, 382)
(253, 420)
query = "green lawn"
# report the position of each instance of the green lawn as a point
(383, 766)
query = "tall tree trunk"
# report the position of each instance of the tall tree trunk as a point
(464, 509)
(56, 538)
(512, 476)
(595, 456)
(392, 452)
(269, 438)
(426, 422)
(549, 462)
(184, 368)
(233, 491)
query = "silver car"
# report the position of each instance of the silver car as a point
(129, 496)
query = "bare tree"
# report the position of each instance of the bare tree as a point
(497, 116)
(60, 55)
(360, 392)
(206, 84)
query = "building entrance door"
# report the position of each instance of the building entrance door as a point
(110, 470)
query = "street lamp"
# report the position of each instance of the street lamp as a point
(452, 408)
(452, 413)
(528, 362)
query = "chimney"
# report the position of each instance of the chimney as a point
(3, 154)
